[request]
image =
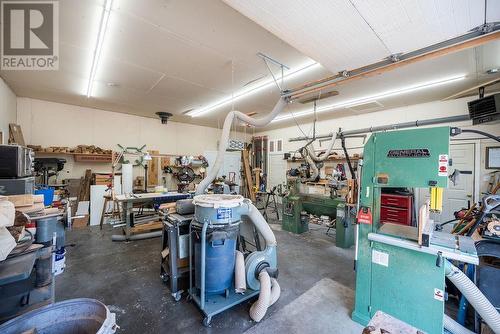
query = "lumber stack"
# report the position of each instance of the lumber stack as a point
(90, 149)
(80, 149)
(32, 205)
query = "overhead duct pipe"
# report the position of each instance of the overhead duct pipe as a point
(397, 126)
(257, 122)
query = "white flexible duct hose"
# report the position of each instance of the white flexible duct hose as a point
(312, 153)
(482, 305)
(240, 284)
(454, 327)
(261, 224)
(312, 165)
(257, 122)
(259, 308)
(275, 291)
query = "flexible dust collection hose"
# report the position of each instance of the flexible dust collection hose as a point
(480, 303)
(240, 284)
(312, 165)
(260, 224)
(454, 327)
(257, 122)
(311, 152)
(275, 291)
(270, 292)
(259, 308)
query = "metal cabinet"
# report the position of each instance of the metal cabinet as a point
(175, 253)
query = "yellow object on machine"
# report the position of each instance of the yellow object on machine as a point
(436, 203)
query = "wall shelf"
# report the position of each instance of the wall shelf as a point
(81, 157)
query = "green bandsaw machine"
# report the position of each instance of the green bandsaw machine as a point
(395, 272)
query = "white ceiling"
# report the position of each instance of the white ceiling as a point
(347, 34)
(178, 55)
(170, 56)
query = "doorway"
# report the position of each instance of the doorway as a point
(459, 195)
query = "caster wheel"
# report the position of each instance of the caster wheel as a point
(177, 296)
(207, 321)
(189, 298)
(164, 278)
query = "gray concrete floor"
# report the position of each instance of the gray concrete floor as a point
(125, 276)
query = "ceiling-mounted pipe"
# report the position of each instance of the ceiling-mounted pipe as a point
(477, 37)
(396, 126)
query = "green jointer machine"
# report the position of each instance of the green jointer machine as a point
(297, 206)
(400, 270)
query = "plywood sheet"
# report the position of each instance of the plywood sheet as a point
(153, 169)
(97, 193)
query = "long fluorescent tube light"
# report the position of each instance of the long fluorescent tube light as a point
(370, 98)
(103, 27)
(252, 89)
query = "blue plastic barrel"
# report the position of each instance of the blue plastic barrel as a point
(48, 195)
(220, 251)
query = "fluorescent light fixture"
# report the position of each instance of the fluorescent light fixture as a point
(103, 27)
(371, 98)
(252, 89)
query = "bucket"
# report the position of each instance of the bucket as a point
(79, 316)
(60, 261)
(48, 195)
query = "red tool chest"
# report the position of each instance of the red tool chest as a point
(396, 209)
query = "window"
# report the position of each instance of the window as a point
(276, 146)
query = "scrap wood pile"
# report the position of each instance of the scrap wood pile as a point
(80, 149)
(16, 226)
(474, 219)
(31, 205)
(320, 220)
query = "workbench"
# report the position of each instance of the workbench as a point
(127, 201)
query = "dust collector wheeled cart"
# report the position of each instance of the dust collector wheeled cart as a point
(213, 236)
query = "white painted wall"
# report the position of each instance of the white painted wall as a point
(8, 103)
(55, 124)
(403, 114)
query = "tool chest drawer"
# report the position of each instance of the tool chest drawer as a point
(400, 201)
(395, 215)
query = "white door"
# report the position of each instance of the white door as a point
(457, 196)
(277, 171)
